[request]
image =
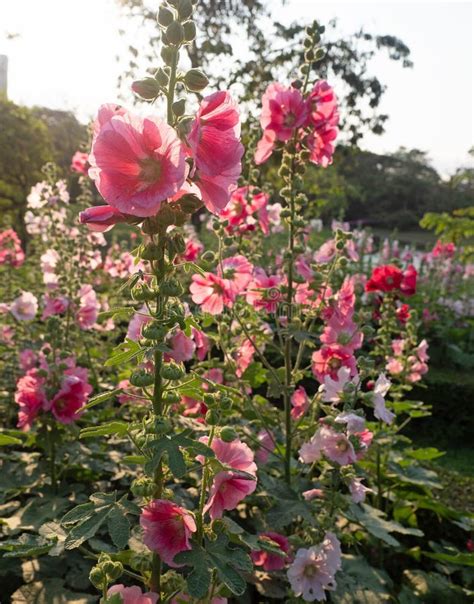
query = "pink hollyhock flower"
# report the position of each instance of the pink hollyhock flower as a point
(330, 443)
(283, 110)
(303, 268)
(358, 490)
(193, 407)
(246, 210)
(329, 359)
(443, 249)
(31, 398)
(267, 445)
(67, 403)
(227, 491)
(403, 313)
(102, 218)
(136, 162)
(381, 388)
(322, 103)
(194, 249)
(25, 307)
(236, 454)
(267, 559)
(202, 343)
(7, 334)
(236, 272)
(132, 595)
(408, 284)
(421, 351)
(214, 375)
(313, 570)
(10, 249)
(167, 529)
(398, 346)
(211, 293)
(54, 306)
(313, 494)
(343, 331)
(299, 402)
(320, 142)
(80, 162)
(345, 298)
(394, 366)
(263, 292)
(265, 147)
(88, 308)
(28, 359)
(332, 389)
(214, 139)
(182, 347)
(243, 357)
(355, 423)
(137, 323)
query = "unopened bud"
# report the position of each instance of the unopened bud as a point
(141, 378)
(189, 31)
(172, 371)
(175, 33)
(228, 434)
(195, 80)
(179, 107)
(161, 77)
(185, 9)
(165, 16)
(147, 88)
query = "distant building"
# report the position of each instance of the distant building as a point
(3, 76)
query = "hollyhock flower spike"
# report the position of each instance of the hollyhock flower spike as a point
(167, 529)
(137, 163)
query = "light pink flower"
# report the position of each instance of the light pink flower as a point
(313, 570)
(332, 389)
(358, 490)
(137, 323)
(54, 306)
(394, 366)
(421, 351)
(25, 307)
(299, 402)
(28, 359)
(167, 529)
(136, 162)
(235, 454)
(227, 491)
(263, 292)
(211, 293)
(88, 308)
(243, 357)
(343, 331)
(313, 494)
(236, 272)
(268, 560)
(329, 359)
(267, 445)
(133, 595)
(182, 347)
(202, 343)
(333, 445)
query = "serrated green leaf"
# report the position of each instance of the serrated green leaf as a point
(9, 440)
(87, 528)
(80, 512)
(108, 429)
(176, 462)
(101, 398)
(26, 546)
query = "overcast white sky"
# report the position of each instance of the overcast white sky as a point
(64, 57)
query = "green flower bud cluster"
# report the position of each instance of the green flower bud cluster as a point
(143, 487)
(104, 572)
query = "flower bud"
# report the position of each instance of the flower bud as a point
(175, 33)
(150, 252)
(228, 434)
(147, 88)
(97, 577)
(165, 16)
(142, 292)
(171, 287)
(212, 417)
(162, 426)
(179, 107)
(162, 77)
(114, 570)
(195, 80)
(167, 54)
(141, 378)
(189, 31)
(153, 332)
(142, 487)
(172, 371)
(185, 9)
(189, 203)
(171, 397)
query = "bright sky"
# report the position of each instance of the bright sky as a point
(64, 57)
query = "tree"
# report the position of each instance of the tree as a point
(25, 146)
(269, 53)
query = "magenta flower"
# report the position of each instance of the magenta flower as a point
(268, 560)
(227, 491)
(329, 359)
(54, 306)
(283, 110)
(214, 140)
(167, 529)
(31, 398)
(67, 403)
(133, 595)
(137, 163)
(313, 570)
(299, 402)
(182, 347)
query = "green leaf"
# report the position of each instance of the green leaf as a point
(373, 520)
(461, 559)
(100, 398)
(359, 581)
(176, 462)
(26, 546)
(124, 352)
(426, 453)
(107, 429)
(125, 311)
(49, 591)
(87, 528)
(199, 579)
(255, 374)
(9, 440)
(80, 512)
(119, 527)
